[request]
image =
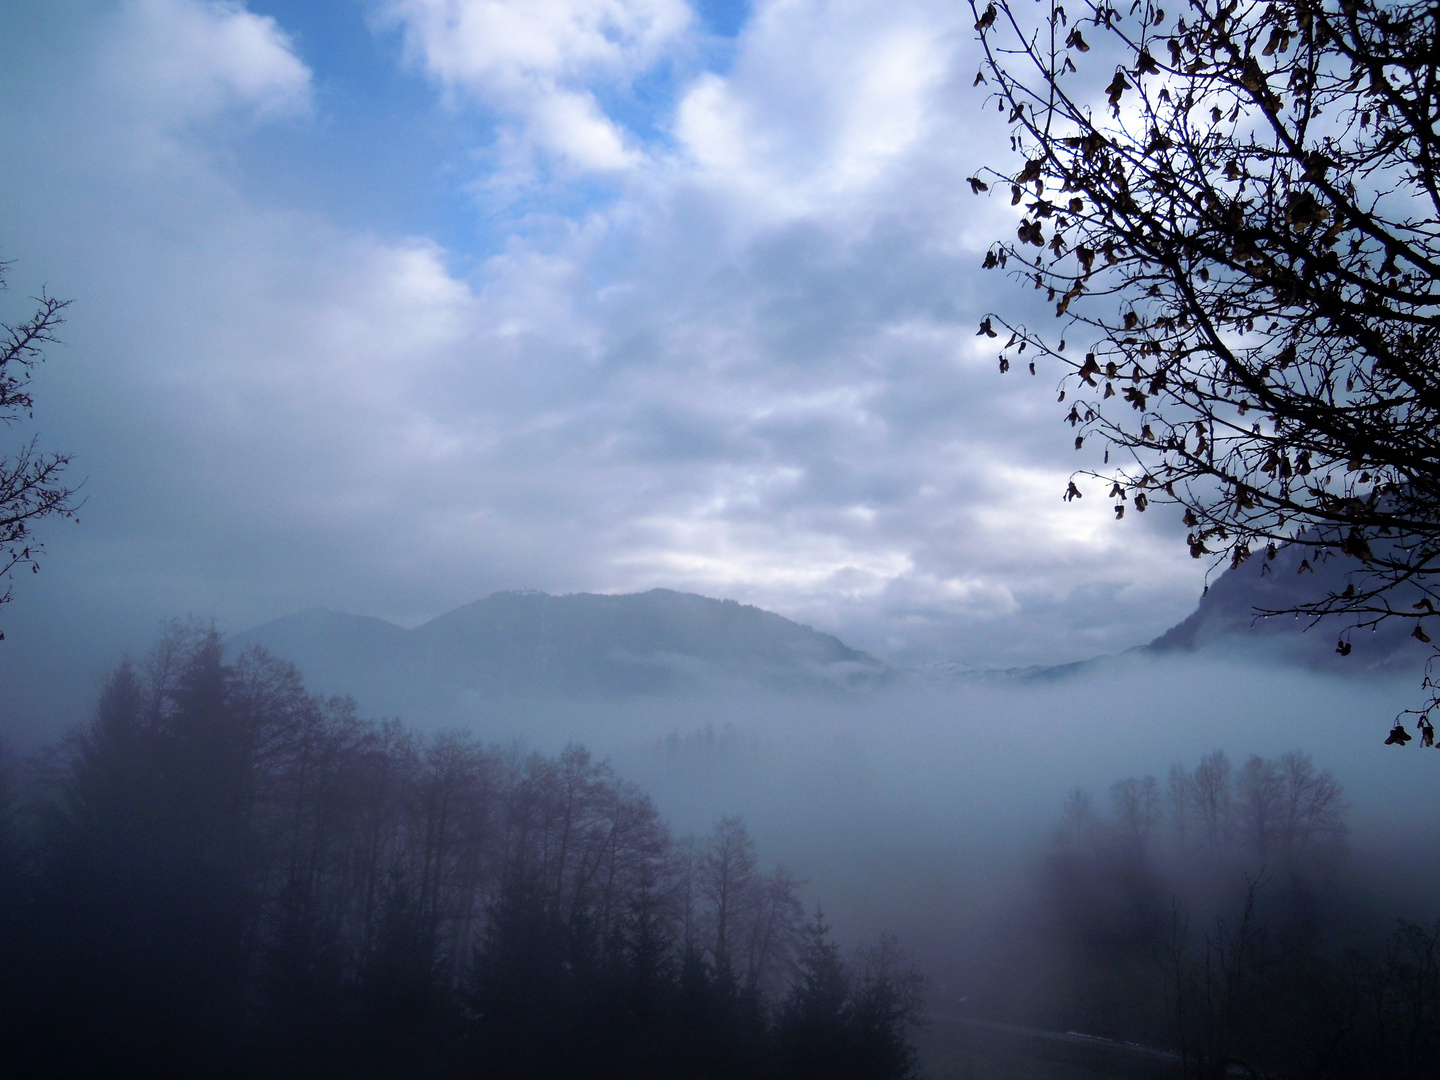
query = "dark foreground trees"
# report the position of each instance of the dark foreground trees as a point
(32, 482)
(1233, 207)
(225, 876)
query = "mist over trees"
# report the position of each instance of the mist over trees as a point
(1217, 916)
(1232, 209)
(224, 875)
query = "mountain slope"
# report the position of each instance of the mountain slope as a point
(531, 646)
(1225, 620)
(1226, 623)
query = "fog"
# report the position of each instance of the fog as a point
(924, 808)
(1038, 845)
(906, 806)
(912, 805)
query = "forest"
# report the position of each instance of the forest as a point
(224, 875)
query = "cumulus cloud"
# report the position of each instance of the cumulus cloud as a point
(186, 60)
(824, 98)
(795, 406)
(509, 45)
(538, 62)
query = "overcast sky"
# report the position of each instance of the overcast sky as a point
(384, 305)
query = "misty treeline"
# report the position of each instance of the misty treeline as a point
(226, 876)
(1220, 915)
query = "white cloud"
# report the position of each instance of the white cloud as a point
(512, 45)
(826, 97)
(537, 62)
(572, 124)
(186, 60)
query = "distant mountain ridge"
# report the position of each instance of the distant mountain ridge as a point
(585, 646)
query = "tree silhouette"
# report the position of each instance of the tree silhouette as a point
(225, 876)
(1234, 211)
(32, 485)
(815, 1017)
(840, 1021)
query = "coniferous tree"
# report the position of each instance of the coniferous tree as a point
(813, 1023)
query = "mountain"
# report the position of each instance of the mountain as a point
(1225, 623)
(583, 647)
(1225, 619)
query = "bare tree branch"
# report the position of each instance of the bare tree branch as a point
(32, 484)
(1243, 233)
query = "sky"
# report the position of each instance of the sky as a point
(385, 305)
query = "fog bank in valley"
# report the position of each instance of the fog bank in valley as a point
(913, 806)
(1073, 849)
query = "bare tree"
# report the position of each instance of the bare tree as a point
(1235, 214)
(1313, 807)
(776, 931)
(32, 485)
(1210, 790)
(1260, 805)
(1288, 809)
(729, 879)
(1136, 804)
(1079, 823)
(1178, 794)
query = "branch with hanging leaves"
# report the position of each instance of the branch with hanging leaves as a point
(1235, 211)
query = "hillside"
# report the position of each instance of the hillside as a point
(1226, 623)
(1225, 619)
(582, 647)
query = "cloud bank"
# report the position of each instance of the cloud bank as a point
(713, 328)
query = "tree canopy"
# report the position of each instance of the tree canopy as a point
(1233, 211)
